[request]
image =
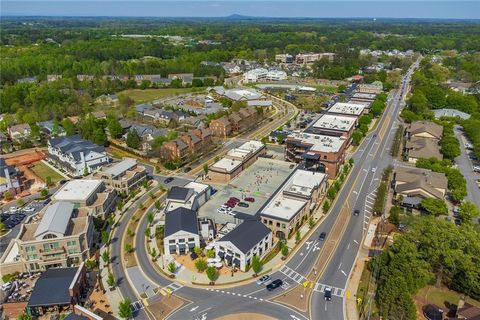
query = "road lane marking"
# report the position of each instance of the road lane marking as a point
(343, 273)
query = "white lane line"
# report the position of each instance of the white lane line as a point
(343, 273)
(355, 241)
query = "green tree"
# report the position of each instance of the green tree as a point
(148, 233)
(468, 211)
(133, 139)
(326, 206)
(197, 250)
(114, 127)
(434, 206)
(111, 280)
(153, 253)
(210, 253)
(257, 265)
(158, 205)
(69, 127)
(394, 216)
(125, 310)
(24, 316)
(172, 267)
(150, 218)
(91, 264)
(284, 250)
(105, 237)
(311, 222)
(297, 236)
(205, 168)
(212, 274)
(201, 265)
(357, 136)
(7, 196)
(128, 248)
(106, 257)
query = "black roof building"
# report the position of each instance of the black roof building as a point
(247, 235)
(181, 219)
(179, 193)
(74, 146)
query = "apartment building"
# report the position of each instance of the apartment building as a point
(221, 127)
(309, 58)
(193, 142)
(372, 88)
(61, 235)
(235, 161)
(89, 193)
(262, 74)
(318, 152)
(123, 176)
(294, 202)
(235, 122)
(75, 155)
(284, 58)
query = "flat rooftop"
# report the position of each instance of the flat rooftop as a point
(197, 187)
(260, 181)
(347, 108)
(120, 167)
(283, 208)
(77, 190)
(226, 164)
(335, 122)
(368, 96)
(318, 142)
(303, 182)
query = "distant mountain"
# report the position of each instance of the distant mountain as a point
(238, 17)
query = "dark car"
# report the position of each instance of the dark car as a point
(168, 180)
(234, 199)
(328, 294)
(356, 212)
(274, 284)
(322, 236)
(249, 199)
(243, 204)
(47, 201)
(230, 204)
(187, 169)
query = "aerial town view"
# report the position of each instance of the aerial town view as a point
(240, 160)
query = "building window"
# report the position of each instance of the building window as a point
(32, 257)
(278, 224)
(324, 157)
(30, 249)
(171, 241)
(191, 239)
(270, 222)
(51, 246)
(181, 240)
(265, 221)
(72, 243)
(72, 251)
(284, 225)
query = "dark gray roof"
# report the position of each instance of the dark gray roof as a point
(74, 145)
(52, 287)
(179, 193)
(181, 219)
(247, 235)
(74, 316)
(10, 169)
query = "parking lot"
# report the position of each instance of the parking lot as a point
(259, 181)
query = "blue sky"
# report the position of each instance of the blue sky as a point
(443, 9)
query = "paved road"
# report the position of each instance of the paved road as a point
(371, 158)
(465, 166)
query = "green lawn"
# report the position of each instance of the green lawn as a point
(152, 94)
(44, 171)
(443, 296)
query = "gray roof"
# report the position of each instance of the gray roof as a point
(56, 218)
(181, 219)
(51, 288)
(74, 145)
(120, 167)
(4, 169)
(450, 113)
(247, 235)
(179, 193)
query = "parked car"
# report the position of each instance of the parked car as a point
(356, 212)
(476, 168)
(234, 199)
(230, 204)
(187, 169)
(168, 180)
(243, 204)
(221, 210)
(322, 236)
(13, 209)
(249, 199)
(6, 286)
(29, 209)
(328, 294)
(263, 279)
(274, 284)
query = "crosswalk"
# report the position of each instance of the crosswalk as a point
(137, 305)
(172, 287)
(316, 286)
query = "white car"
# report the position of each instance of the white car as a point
(221, 210)
(6, 286)
(29, 209)
(13, 209)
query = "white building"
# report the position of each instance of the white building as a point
(192, 196)
(262, 74)
(250, 238)
(181, 231)
(76, 156)
(347, 109)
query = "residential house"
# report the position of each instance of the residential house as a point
(49, 128)
(19, 132)
(11, 179)
(54, 77)
(451, 113)
(123, 176)
(75, 155)
(60, 235)
(191, 143)
(411, 185)
(294, 202)
(425, 129)
(181, 234)
(238, 247)
(420, 147)
(221, 127)
(284, 58)
(186, 78)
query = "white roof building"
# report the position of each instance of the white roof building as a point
(335, 122)
(78, 190)
(347, 108)
(318, 142)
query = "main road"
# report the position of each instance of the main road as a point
(210, 303)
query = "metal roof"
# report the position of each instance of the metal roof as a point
(51, 289)
(120, 167)
(55, 219)
(181, 219)
(247, 235)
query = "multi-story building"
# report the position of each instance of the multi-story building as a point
(308, 58)
(123, 176)
(75, 155)
(181, 231)
(193, 142)
(221, 127)
(347, 109)
(424, 129)
(294, 202)
(284, 58)
(192, 196)
(88, 193)
(235, 161)
(11, 179)
(372, 88)
(61, 235)
(335, 126)
(238, 247)
(318, 152)
(262, 74)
